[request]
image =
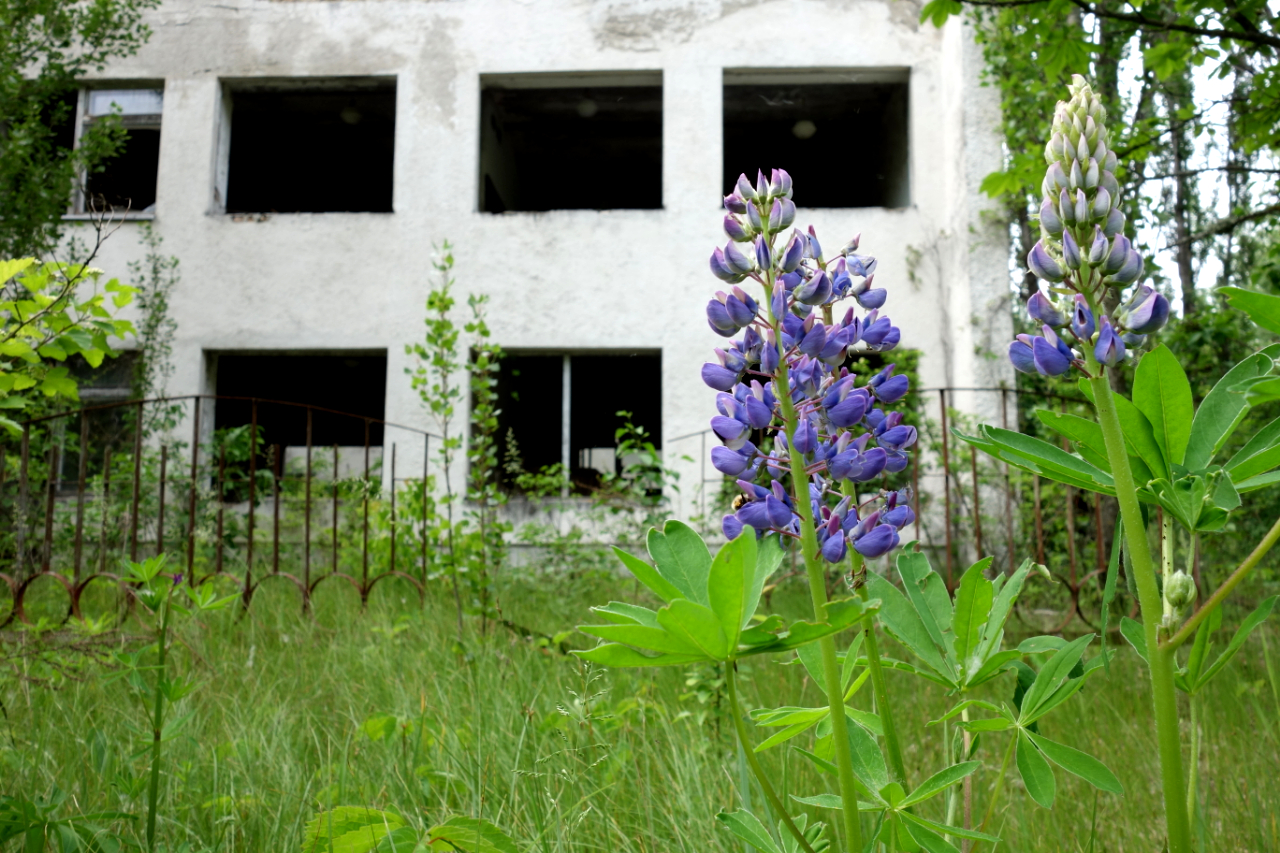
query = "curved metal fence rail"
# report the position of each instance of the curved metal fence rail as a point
(223, 504)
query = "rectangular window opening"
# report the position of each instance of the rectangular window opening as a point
(125, 183)
(570, 142)
(531, 430)
(841, 135)
(325, 146)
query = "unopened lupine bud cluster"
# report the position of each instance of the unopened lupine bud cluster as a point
(842, 433)
(1082, 251)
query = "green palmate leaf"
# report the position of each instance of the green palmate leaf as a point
(951, 830)
(627, 614)
(868, 761)
(1139, 437)
(973, 607)
(349, 829)
(993, 633)
(648, 576)
(995, 724)
(1134, 633)
(788, 715)
(748, 827)
(940, 781)
(402, 840)
(469, 835)
(791, 731)
(644, 637)
(682, 558)
(1262, 308)
(617, 655)
(1261, 481)
(697, 625)
(928, 594)
(729, 584)
(1222, 410)
(1162, 392)
(1086, 434)
(1055, 671)
(1252, 621)
(993, 666)
(1040, 457)
(823, 801)
(900, 619)
(1258, 454)
(1079, 764)
(1200, 647)
(929, 841)
(1036, 773)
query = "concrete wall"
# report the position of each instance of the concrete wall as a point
(564, 279)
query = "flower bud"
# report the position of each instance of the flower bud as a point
(1132, 341)
(1110, 349)
(1070, 250)
(1109, 183)
(793, 253)
(754, 220)
(1131, 271)
(1115, 223)
(780, 184)
(1101, 246)
(762, 186)
(736, 261)
(737, 232)
(1076, 179)
(781, 214)
(1082, 323)
(1101, 205)
(1146, 312)
(873, 298)
(1082, 208)
(852, 245)
(1045, 267)
(879, 541)
(1020, 355)
(1067, 208)
(1041, 309)
(734, 203)
(764, 254)
(1091, 174)
(815, 248)
(718, 317)
(721, 269)
(1180, 590)
(1050, 222)
(816, 290)
(744, 189)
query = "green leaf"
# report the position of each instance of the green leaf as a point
(1082, 431)
(1133, 632)
(697, 625)
(731, 578)
(937, 12)
(348, 829)
(992, 724)
(1040, 457)
(402, 840)
(1079, 764)
(868, 761)
(617, 655)
(928, 594)
(951, 830)
(748, 827)
(648, 576)
(682, 558)
(1055, 671)
(1221, 411)
(822, 801)
(1036, 773)
(11, 268)
(644, 637)
(1140, 436)
(791, 731)
(1262, 308)
(928, 840)
(627, 614)
(1001, 607)
(469, 835)
(1162, 392)
(1252, 621)
(973, 607)
(1201, 645)
(940, 781)
(900, 619)
(993, 666)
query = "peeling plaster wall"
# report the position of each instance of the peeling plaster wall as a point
(564, 279)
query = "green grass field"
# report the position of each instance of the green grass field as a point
(383, 708)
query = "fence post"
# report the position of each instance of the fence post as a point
(164, 462)
(52, 490)
(191, 503)
(946, 484)
(137, 484)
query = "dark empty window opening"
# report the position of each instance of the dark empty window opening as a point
(312, 150)
(592, 147)
(844, 144)
(531, 396)
(127, 181)
(354, 384)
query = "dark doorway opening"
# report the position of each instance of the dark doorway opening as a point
(579, 147)
(312, 150)
(844, 144)
(352, 384)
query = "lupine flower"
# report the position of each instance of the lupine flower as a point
(1110, 348)
(1041, 309)
(1146, 312)
(1082, 324)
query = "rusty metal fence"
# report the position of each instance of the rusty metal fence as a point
(114, 481)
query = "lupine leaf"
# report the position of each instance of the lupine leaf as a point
(789, 732)
(1040, 457)
(644, 637)
(1162, 392)
(618, 655)
(866, 719)
(994, 665)
(928, 840)
(973, 607)
(1055, 671)
(1262, 308)
(627, 614)
(940, 781)
(1036, 773)
(682, 558)
(1252, 621)
(731, 576)
(868, 761)
(696, 624)
(748, 827)
(1261, 441)
(648, 576)
(1201, 645)
(900, 619)
(1221, 411)
(952, 830)
(928, 594)
(1079, 763)
(822, 801)
(1001, 607)
(1134, 633)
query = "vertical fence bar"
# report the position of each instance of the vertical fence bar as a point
(51, 488)
(1035, 488)
(24, 496)
(80, 481)
(191, 502)
(306, 515)
(335, 507)
(276, 473)
(1008, 484)
(253, 491)
(364, 558)
(946, 482)
(977, 507)
(137, 483)
(164, 462)
(393, 506)
(222, 473)
(426, 457)
(106, 503)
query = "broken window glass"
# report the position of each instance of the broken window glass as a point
(844, 143)
(325, 147)
(570, 142)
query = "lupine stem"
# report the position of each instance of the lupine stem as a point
(995, 794)
(157, 725)
(891, 743)
(1194, 771)
(818, 593)
(731, 681)
(1159, 658)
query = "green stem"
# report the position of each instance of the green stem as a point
(887, 721)
(731, 680)
(995, 794)
(1242, 571)
(814, 569)
(1193, 772)
(1164, 699)
(157, 727)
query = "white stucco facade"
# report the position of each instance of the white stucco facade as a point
(563, 280)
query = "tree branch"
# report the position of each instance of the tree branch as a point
(1223, 226)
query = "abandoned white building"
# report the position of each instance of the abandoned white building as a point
(301, 158)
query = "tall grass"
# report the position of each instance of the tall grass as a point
(388, 708)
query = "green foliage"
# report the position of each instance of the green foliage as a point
(36, 823)
(46, 320)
